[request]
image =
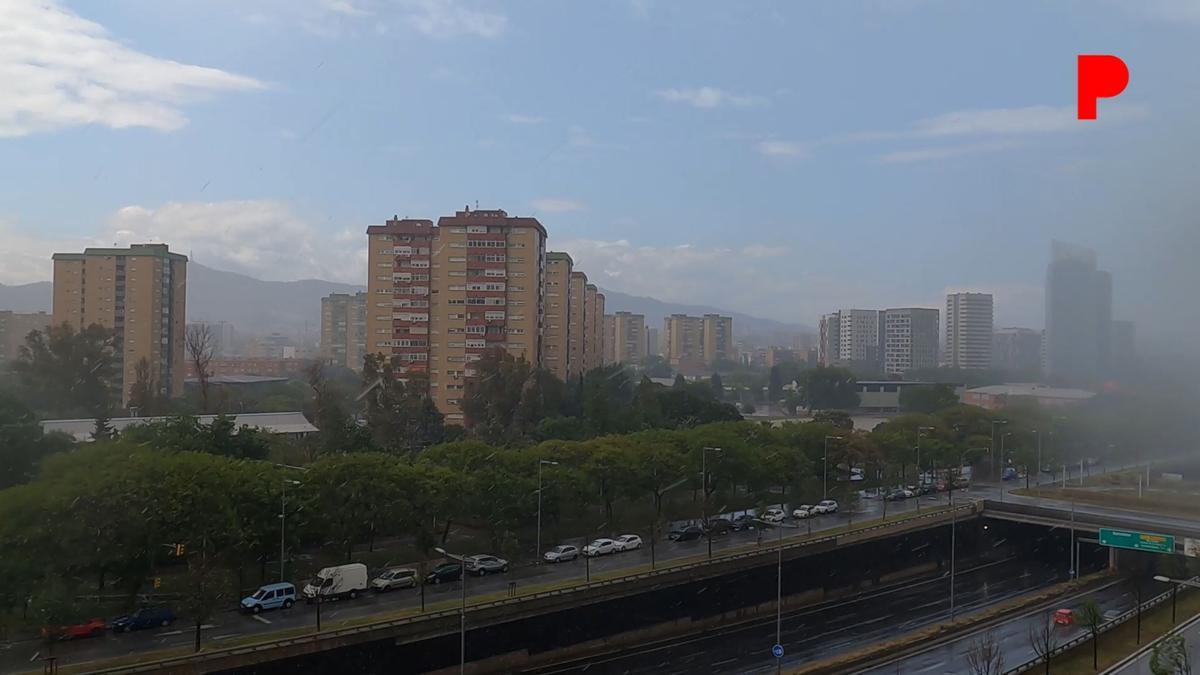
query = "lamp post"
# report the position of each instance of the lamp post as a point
(993, 451)
(541, 463)
(283, 523)
(1175, 584)
(920, 476)
(704, 488)
(1003, 462)
(462, 625)
(953, 549)
(1039, 459)
(825, 472)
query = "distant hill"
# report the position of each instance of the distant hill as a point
(35, 297)
(257, 307)
(744, 326)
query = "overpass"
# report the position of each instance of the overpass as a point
(1088, 518)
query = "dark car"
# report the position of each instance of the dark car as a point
(686, 533)
(744, 522)
(146, 617)
(718, 526)
(444, 573)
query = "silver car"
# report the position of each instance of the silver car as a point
(485, 564)
(400, 577)
(561, 553)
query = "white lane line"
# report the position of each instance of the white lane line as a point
(256, 617)
(226, 636)
(34, 657)
(206, 626)
(170, 633)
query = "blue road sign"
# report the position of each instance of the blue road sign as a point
(777, 651)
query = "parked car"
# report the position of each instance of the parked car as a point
(825, 506)
(397, 577)
(485, 564)
(717, 526)
(744, 522)
(600, 547)
(900, 494)
(339, 581)
(445, 572)
(961, 483)
(774, 515)
(803, 511)
(270, 596)
(627, 542)
(687, 533)
(1009, 473)
(146, 617)
(561, 553)
(83, 629)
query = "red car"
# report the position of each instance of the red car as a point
(89, 628)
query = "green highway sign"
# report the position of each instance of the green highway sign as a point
(1138, 541)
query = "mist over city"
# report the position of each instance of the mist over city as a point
(634, 336)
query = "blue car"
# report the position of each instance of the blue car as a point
(1010, 473)
(146, 617)
(271, 596)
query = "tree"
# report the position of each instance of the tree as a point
(337, 431)
(144, 393)
(985, 656)
(102, 429)
(679, 383)
(401, 416)
(829, 387)
(775, 384)
(199, 343)
(838, 419)
(69, 372)
(927, 399)
(1043, 639)
(718, 388)
(493, 396)
(1171, 657)
(22, 443)
(1090, 617)
(205, 592)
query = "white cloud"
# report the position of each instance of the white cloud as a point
(60, 70)
(707, 97)
(524, 119)
(946, 152)
(554, 205)
(345, 7)
(782, 149)
(449, 18)
(1030, 119)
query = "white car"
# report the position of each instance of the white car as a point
(561, 553)
(600, 547)
(803, 511)
(627, 542)
(826, 506)
(774, 515)
(402, 577)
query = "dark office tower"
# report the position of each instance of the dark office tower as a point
(1078, 315)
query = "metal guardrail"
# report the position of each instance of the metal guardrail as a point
(149, 666)
(1081, 639)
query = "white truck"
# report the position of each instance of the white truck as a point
(340, 581)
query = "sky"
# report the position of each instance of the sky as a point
(782, 159)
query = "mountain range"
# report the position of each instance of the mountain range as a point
(257, 307)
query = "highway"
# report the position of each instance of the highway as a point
(1139, 664)
(825, 630)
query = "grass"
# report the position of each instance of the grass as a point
(768, 544)
(1121, 641)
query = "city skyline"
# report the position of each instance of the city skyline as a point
(289, 155)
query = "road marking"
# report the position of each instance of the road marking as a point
(170, 633)
(206, 626)
(34, 657)
(227, 635)
(259, 618)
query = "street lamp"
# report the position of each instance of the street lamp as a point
(778, 589)
(993, 451)
(283, 522)
(704, 488)
(1003, 461)
(920, 476)
(1175, 584)
(462, 625)
(541, 463)
(825, 477)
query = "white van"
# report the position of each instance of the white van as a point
(341, 581)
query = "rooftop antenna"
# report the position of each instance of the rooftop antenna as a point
(476, 204)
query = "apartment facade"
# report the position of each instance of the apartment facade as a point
(910, 339)
(442, 295)
(14, 326)
(829, 339)
(556, 325)
(140, 293)
(576, 337)
(969, 331)
(695, 342)
(625, 337)
(718, 339)
(344, 330)
(859, 336)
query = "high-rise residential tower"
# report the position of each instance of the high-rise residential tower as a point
(1078, 315)
(969, 331)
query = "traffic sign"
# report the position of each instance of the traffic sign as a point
(1138, 541)
(1191, 548)
(777, 651)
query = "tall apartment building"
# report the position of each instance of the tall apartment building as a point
(1078, 314)
(597, 336)
(344, 330)
(694, 342)
(859, 338)
(829, 340)
(969, 331)
(1017, 350)
(556, 324)
(139, 292)
(653, 348)
(910, 339)
(625, 337)
(14, 326)
(441, 295)
(576, 338)
(593, 327)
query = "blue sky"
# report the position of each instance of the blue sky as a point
(782, 159)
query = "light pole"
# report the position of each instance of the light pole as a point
(825, 472)
(920, 476)
(1003, 462)
(541, 463)
(283, 523)
(704, 487)
(1175, 584)
(993, 451)
(953, 549)
(1039, 457)
(462, 625)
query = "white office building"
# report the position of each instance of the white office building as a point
(969, 331)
